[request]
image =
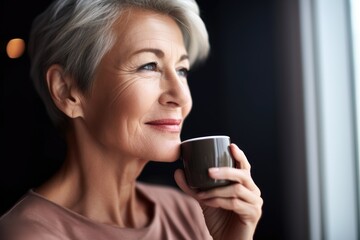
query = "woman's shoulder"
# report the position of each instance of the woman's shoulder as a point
(25, 220)
(22, 210)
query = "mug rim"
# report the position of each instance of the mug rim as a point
(204, 138)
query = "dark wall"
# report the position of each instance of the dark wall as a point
(238, 91)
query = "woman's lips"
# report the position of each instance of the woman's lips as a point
(168, 125)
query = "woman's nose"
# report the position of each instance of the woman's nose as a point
(176, 91)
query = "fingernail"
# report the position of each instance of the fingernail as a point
(214, 170)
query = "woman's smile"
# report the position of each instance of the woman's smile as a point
(166, 125)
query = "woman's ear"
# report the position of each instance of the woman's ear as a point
(63, 91)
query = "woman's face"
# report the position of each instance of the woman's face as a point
(140, 95)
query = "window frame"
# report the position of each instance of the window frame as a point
(330, 126)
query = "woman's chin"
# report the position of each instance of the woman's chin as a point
(164, 151)
(168, 156)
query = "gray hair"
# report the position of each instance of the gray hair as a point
(76, 34)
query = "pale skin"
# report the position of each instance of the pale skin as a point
(141, 91)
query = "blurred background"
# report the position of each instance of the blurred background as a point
(281, 81)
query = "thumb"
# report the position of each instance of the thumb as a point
(180, 180)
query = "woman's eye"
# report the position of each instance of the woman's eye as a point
(149, 67)
(183, 72)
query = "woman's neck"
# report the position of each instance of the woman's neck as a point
(98, 185)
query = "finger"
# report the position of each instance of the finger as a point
(180, 180)
(240, 157)
(235, 175)
(232, 191)
(240, 207)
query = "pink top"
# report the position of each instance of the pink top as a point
(175, 216)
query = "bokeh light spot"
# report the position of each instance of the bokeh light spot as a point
(15, 48)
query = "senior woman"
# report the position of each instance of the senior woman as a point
(113, 77)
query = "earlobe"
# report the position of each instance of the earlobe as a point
(63, 91)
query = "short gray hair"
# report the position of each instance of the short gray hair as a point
(76, 34)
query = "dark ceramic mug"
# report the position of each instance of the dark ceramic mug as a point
(200, 154)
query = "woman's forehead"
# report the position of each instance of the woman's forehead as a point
(143, 23)
(140, 29)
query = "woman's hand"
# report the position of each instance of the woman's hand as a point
(233, 211)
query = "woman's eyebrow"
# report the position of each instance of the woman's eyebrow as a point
(184, 57)
(159, 53)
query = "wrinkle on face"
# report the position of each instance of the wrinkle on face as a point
(120, 90)
(125, 96)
